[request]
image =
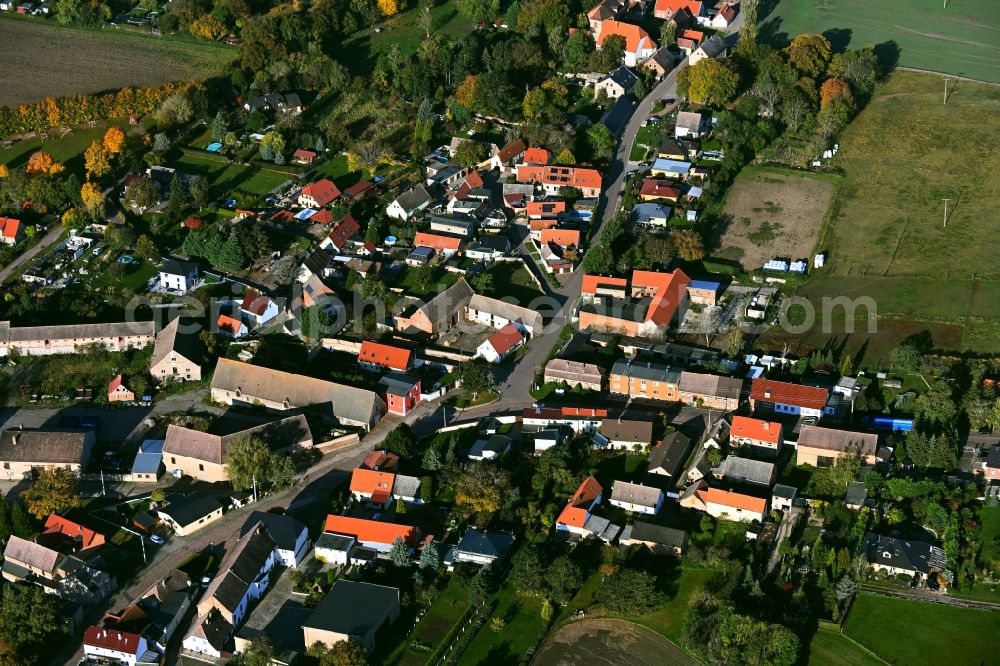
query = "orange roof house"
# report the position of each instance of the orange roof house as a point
(665, 9)
(735, 500)
(577, 511)
(371, 531)
(230, 326)
(439, 242)
(58, 529)
(385, 356)
(118, 392)
(654, 302)
(562, 237)
(374, 484)
(11, 230)
(792, 395)
(638, 43)
(380, 460)
(344, 231)
(545, 209)
(751, 430)
(319, 194)
(537, 156)
(592, 284)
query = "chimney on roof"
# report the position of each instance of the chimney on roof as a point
(767, 392)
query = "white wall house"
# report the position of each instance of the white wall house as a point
(179, 276)
(636, 498)
(119, 647)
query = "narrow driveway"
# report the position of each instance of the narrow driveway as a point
(47, 240)
(785, 527)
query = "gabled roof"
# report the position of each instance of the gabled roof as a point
(171, 341)
(9, 227)
(116, 383)
(653, 533)
(770, 390)
(575, 512)
(370, 530)
(42, 446)
(87, 537)
(180, 267)
(627, 430)
(397, 383)
(670, 453)
(211, 448)
(110, 639)
(648, 370)
(358, 188)
(654, 187)
(303, 154)
(624, 77)
(591, 283)
(538, 156)
(380, 460)
(371, 482)
(578, 177)
(732, 499)
(213, 627)
(230, 325)
(282, 528)
(511, 150)
(413, 198)
(901, 554)
(756, 429)
(713, 46)
(673, 6)
(489, 544)
(636, 39)
(255, 302)
(437, 241)
(240, 568)
(376, 353)
(344, 231)
(545, 208)
(746, 470)
(561, 237)
(713, 385)
(322, 191)
(406, 486)
(833, 439)
(32, 554)
(506, 339)
(635, 493)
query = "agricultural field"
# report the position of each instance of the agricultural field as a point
(886, 238)
(829, 648)
(772, 214)
(901, 631)
(71, 66)
(607, 641)
(958, 39)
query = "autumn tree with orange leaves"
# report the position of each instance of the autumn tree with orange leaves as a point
(835, 90)
(114, 140)
(388, 7)
(97, 160)
(41, 163)
(92, 196)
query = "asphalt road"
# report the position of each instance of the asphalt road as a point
(47, 240)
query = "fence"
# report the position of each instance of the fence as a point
(338, 444)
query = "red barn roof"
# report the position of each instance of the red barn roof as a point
(506, 339)
(322, 191)
(769, 390)
(376, 353)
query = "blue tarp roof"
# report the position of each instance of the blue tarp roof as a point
(673, 166)
(704, 284)
(150, 455)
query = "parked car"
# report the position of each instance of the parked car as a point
(157, 539)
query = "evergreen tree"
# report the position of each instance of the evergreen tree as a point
(399, 554)
(432, 459)
(220, 126)
(430, 559)
(320, 145)
(5, 522)
(279, 159)
(231, 258)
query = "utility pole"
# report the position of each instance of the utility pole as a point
(945, 212)
(254, 487)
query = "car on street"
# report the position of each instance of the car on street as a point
(668, 101)
(157, 539)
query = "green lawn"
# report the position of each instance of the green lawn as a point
(360, 53)
(227, 178)
(512, 280)
(830, 648)
(67, 150)
(960, 39)
(990, 530)
(885, 238)
(647, 137)
(523, 627)
(446, 610)
(335, 168)
(914, 632)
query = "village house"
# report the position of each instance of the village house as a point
(991, 466)
(654, 190)
(577, 512)
(617, 83)
(231, 327)
(668, 9)
(148, 464)
(690, 124)
(745, 471)
(762, 436)
(187, 514)
(409, 203)
(667, 458)
(65, 576)
(26, 451)
(303, 156)
(664, 168)
(489, 247)
(352, 611)
(372, 486)
(649, 304)
(333, 549)
(479, 547)
(636, 498)
(627, 434)
(713, 47)
(244, 575)
(783, 497)
(73, 338)
(501, 344)
(176, 355)
(440, 243)
(11, 230)
(586, 376)
(724, 504)
(723, 17)
(552, 178)
(453, 226)
(178, 276)
(785, 398)
(281, 103)
(679, 149)
(237, 383)
(157, 612)
(258, 308)
(508, 155)
(401, 392)
(118, 392)
(915, 559)
(377, 357)
(651, 215)
(341, 235)
(655, 537)
(374, 534)
(439, 314)
(201, 455)
(118, 647)
(65, 536)
(489, 449)
(821, 447)
(638, 44)
(320, 194)
(578, 419)
(290, 537)
(710, 391)
(644, 379)
(661, 62)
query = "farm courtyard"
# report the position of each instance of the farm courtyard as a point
(957, 39)
(772, 214)
(71, 68)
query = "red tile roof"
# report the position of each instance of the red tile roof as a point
(769, 390)
(58, 525)
(369, 481)
(561, 237)
(358, 188)
(303, 154)
(584, 411)
(575, 512)
(636, 38)
(694, 35)
(321, 217)
(387, 356)
(230, 325)
(323, 191)
(254, 302)
(570, 176)
(9, 227)
(370, 530)
(544, 223)
(510, 151)
(591, 283)
(111, 639)
(653, 187)
(673, 6)
(115, 383)
(436, 241)
(756, 429)
(670, 291)
(546, 208)
(380, 460)
(732, 499)
(345, 230)
(538, 156)
(506, 339)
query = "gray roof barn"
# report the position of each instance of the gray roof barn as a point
(45, 446)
